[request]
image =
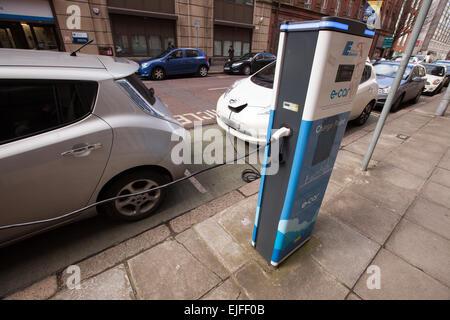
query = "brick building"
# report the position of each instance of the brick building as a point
(134, 28)
(138, 29)
(301, 10)
(407, 18)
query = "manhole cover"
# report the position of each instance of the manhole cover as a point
(402, 136)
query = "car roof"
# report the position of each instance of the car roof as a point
(40, 64)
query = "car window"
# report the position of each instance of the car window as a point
(191, 53)
(30, 107)
(265, 76)
(134, 93)
(176, 54)
(421, 72)
(415, 73)
(435, 70)
(259, 57)
(367, 72)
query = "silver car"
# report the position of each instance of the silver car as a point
(75, 130)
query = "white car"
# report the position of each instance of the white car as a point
(435, 75)
(243, 110)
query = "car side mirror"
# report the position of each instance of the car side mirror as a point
(152, 92)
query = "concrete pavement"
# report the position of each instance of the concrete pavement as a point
(394, 218)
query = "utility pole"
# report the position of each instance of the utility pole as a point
(395, 84)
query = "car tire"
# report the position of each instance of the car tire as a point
(247, 70)
(365, 114)
(396, 104)
(203, 71)
(158, 73)
(416, 99)
(136, 207)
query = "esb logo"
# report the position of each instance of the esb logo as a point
(341, 93)
(348, 50)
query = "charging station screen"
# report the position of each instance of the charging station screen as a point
(345, 72)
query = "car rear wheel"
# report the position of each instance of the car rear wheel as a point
(247, 70)
(396, 104)
(203, 71)
(416, 99)
(158, 73)
(364, 115)
(139, 206)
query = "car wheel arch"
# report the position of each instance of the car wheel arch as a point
(110, 181)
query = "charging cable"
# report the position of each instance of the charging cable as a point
(78, 211)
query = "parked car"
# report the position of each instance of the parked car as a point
(411, 85)
(243, 110)
(249, 63)
(447, 64)
(175, 62)
(75, 130)
(436, 77)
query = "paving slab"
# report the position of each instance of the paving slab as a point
(353, 296)
(430, 215)
(205, 211)
(226, 250)
(441, 176)
(445, 161)
(250, 188)
(343, 251)
(41, 290)
(228, 290)
(400, 280)
(109, 285)
(198, 248)
(408, 123)
(364, 215)
(332, 191)
(308, 281)
(437, 193)
(396, 176)
(386, 143)
(384, 194)
(423, 249)
(117, 254)
(408, 160)
(169, 271)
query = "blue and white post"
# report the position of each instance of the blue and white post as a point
(318, 71)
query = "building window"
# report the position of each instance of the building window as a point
(324, 4)
(338, 8)
(350, 7)
(307, 4)
(360, 11)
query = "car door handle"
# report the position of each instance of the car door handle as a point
(83, 150)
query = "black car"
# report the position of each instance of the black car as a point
(249, 63)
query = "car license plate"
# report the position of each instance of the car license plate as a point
(226, 68)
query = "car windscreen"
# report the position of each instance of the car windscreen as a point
(435, 70)
(247, 56)
(390, 70)
(162, 54)
(265, 76)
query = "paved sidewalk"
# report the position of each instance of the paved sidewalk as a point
(396, 216)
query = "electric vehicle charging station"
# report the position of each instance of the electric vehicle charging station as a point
(319, 67)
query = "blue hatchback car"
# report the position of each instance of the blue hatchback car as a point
(175, 62)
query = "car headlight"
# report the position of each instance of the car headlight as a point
(437, 81)
(236, 64)
(231, 88)
(145, 64)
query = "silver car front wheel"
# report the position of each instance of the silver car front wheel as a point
(139, 206)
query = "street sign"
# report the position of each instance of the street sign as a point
(79, 37)
(387, 42)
